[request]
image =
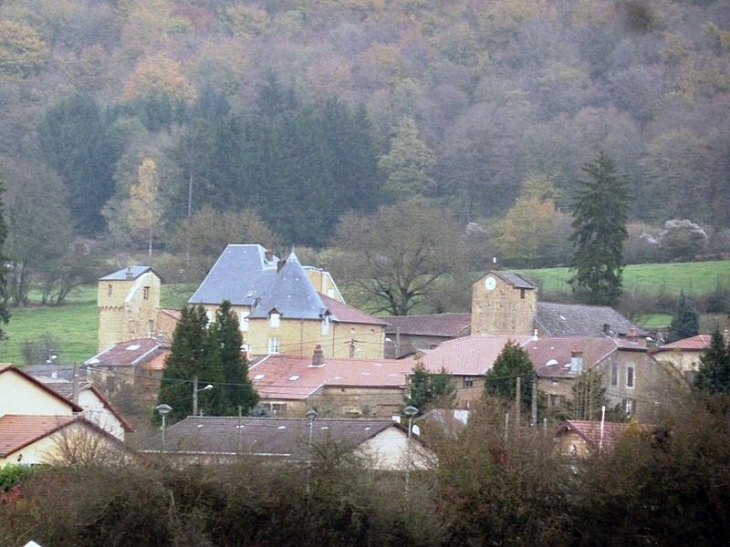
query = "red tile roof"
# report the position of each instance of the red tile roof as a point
(284, 377)
(347, 314)
(129, 353)
(694, 343)
(471, 355)
(591, 431)
(551, 357)
(17, 432)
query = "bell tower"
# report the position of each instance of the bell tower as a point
(503, 303)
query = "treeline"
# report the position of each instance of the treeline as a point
(664, 485)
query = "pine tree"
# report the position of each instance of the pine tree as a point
(685, 320)
(714, 374)
(588, 396)
(4, 314)
(226, 340)
(599, 229)
(428, 390)
(501, 380)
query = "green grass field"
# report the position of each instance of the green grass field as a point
(73, 326)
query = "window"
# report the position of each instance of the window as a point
(109, 289)
(468, 381)
(326, 325)
(556, 400)
(629, 407)
(522, 294)
(243, 321)
(274, 320)
(630, 377)
(146, 293)
(274, 345)
(210, 315)
(614, 375)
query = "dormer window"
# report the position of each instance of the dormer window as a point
(274, 320)
(326, 325)
(243, 320)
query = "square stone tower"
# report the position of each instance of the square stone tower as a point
(503, 303)
(128, 301)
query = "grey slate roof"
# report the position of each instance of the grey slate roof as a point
(240, 275)
(515, 279)
(291, 294)
(448, 325)
(131, 272)
(579, 320)
(272, 437)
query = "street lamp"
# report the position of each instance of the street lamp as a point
(197, 390)
(409, 411)
(164, 410)
(311, 416)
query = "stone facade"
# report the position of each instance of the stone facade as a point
(503, 303)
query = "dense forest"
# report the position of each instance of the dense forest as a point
(128, 121)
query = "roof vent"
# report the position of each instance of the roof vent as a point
(128, 274)
(318, 356)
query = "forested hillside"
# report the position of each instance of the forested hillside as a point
(122, 118)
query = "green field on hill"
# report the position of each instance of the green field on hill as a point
(71, 330)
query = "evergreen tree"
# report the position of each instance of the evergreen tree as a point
(188, 358)
(685, 320)
(4, 314)
(226, 340)
(428, 390)
(501, 380)
(599, 229)
(714, 374)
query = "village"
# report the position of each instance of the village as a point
(325, 370)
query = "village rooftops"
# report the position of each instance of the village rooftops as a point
(579, 320)
(127, 274)
(470, 355)
(292, 378)
(446, 325)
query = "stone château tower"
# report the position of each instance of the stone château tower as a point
(503, 303)
(128, 301)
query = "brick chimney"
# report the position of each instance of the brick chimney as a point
(576, 361)
(318, 357)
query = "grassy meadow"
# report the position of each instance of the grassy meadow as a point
(71, 329)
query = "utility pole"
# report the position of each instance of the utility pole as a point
(533, 417)
(518, 402)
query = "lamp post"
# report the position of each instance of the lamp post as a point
(164, 410)
(311, 415)
(196, 390)
(409, 411)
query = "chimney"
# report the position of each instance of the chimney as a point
(576, 361)
(269, 255)
(128, 274)
(280, 265)
(607, 329)
(318, 356)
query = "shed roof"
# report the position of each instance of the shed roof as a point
(580, 320)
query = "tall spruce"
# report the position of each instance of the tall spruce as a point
(226, 340)
(501, 381)
(714, 373)
(4, 314)
(685, 320)
(600, 209)
(427, 390)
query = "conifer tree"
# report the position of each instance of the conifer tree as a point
(714, 374)
(501, 380)
(4, 314)
(600, 212)
(685, 320)
(428, 390)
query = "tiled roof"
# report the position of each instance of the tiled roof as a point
(515, 279)
(129, 353)
(551, 357)
(271, 437)
(125, 274)
(579, 320)
(591, 431)
(293, 378)
(241, 274)
(347, 314)
(447, 325)
(470, 355)
(18, 431)
(694, 343)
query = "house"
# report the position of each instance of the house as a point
(635, 383)
(135, 362)
(507, 303)
(576, 438)
(36, 422)
(407, 334)
(467, 360)
(383, 444)
(683, 355)
(280, 309)
(339, 386)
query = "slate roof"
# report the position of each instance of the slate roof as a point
(446, 325)
(579, 320)
(470, 355)
(271, 437)
(514, 279)
(241, 274)
(126, 274)
(291, 294)
(294, 378)
(591, 431)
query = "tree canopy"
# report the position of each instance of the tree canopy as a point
(685, 320)
(512, 363)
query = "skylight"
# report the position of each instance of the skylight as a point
(294, 378)
(132, 347)
(259, 377)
